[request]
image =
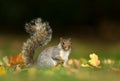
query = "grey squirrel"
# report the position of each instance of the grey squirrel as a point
(40, 34)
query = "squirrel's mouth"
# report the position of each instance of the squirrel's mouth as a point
(66, 49)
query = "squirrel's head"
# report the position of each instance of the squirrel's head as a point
(65, 43)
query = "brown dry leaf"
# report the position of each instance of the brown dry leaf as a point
(76, 63)
(94, 61)
(19, 59)
(15, 60)
(18, 68)
(115, 69)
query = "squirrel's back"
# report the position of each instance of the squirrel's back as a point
(40, 34)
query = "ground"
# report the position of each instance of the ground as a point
(79, 68)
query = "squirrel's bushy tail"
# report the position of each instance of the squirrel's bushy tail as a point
(40, 34)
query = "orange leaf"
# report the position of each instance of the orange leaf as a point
(14, 60)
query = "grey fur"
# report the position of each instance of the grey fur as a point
(40, 34)
(45, 59)
(53, 56)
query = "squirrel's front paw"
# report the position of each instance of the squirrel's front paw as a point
(59, 59)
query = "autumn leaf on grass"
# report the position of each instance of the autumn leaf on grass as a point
(18, 68)
(6, 61)
(74, 63)
(2, 69)
(70, 62)
(58, 66)
(1, 63)
(84, 63)
(108, 61)
(94, 61)
(15, 60)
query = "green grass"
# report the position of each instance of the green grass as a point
(83, 74)
(11, 45)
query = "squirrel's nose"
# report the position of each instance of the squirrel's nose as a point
(66, 48)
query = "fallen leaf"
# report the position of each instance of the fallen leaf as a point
(115, 69)
(1, 63)
(76, 63)
(83, 61)
(2, 69)
(94, 61)
(108, 61)
(59, 65)
(15, 60)
(6, 61)
(70, 62)
(18, 68)
(85, 65)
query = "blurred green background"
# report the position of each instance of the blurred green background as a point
(93, 25)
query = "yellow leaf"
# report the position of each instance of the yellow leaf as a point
(85, 65)
(70, 62)
(1, 63)
(83, 61)
(57, 66)
(6, 61)
(108, 61)
(94, 61)
(74, 63)
(2, 70)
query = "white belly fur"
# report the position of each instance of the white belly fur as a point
(64, 54)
